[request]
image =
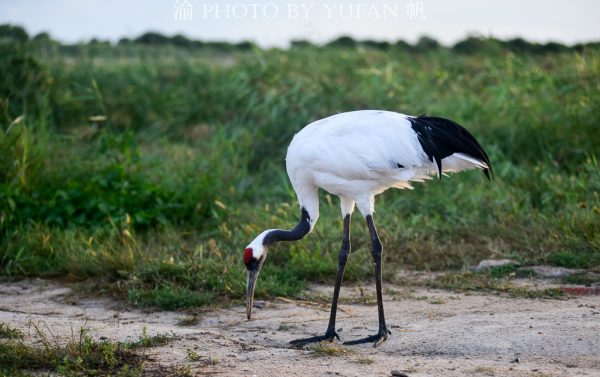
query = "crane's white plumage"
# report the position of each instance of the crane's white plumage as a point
(356, 156)
(359, 154)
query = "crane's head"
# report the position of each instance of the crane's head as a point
(254, 257)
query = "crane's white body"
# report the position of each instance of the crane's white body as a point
(357, 155)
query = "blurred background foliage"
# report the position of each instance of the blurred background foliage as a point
(149, 164)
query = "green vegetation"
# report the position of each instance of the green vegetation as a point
(574, 259)
(503, 271)
(146, 341)
(329, 349)
(364, 360)
(193, 356)
(488, 281)
(81, 356)
(190, 320)
(78, 357)
(147, 167)
(582, 279)
(7, 332)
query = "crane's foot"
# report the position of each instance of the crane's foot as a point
(376, 339)
(328, 337)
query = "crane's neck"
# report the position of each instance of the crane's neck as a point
(303, 227)
(309, 205)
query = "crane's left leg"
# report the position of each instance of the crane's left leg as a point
(383, 332)
(330, 334)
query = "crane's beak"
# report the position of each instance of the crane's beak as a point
(253, 271)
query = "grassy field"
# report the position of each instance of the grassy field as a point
(145, 170)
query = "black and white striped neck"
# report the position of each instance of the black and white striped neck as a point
(299, 231)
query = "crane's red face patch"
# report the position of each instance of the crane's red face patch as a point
(247, 255)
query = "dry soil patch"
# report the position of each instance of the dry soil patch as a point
(434, 333)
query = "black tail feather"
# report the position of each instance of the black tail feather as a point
(442, 137)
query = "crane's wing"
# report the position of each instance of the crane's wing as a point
(392, 148)
(441, 138)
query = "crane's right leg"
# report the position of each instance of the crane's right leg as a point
(330, 334)
(383, 333)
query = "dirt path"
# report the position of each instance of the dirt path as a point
(434, 333)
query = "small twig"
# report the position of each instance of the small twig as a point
(322, 318)
(300, 302)
(315, 305)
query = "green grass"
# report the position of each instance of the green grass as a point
(7, 332)
(581, 279)
(190, 320)
(150, 174)
(147, 341)
(573, 259)
(502, 271)
(491, 282)
(364, 361)
(193, 356)
(80, 356)
(329, 349)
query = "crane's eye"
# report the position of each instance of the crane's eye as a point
(248, 255)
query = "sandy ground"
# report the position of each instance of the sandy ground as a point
(434, 333)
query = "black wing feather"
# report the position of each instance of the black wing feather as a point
(440, 138)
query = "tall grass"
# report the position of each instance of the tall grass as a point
(133, 166)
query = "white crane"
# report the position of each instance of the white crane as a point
(357, 155)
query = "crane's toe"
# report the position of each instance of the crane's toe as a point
(376, 339)
(329, 336)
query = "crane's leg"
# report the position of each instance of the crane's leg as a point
(330, 333)
(383, 332)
